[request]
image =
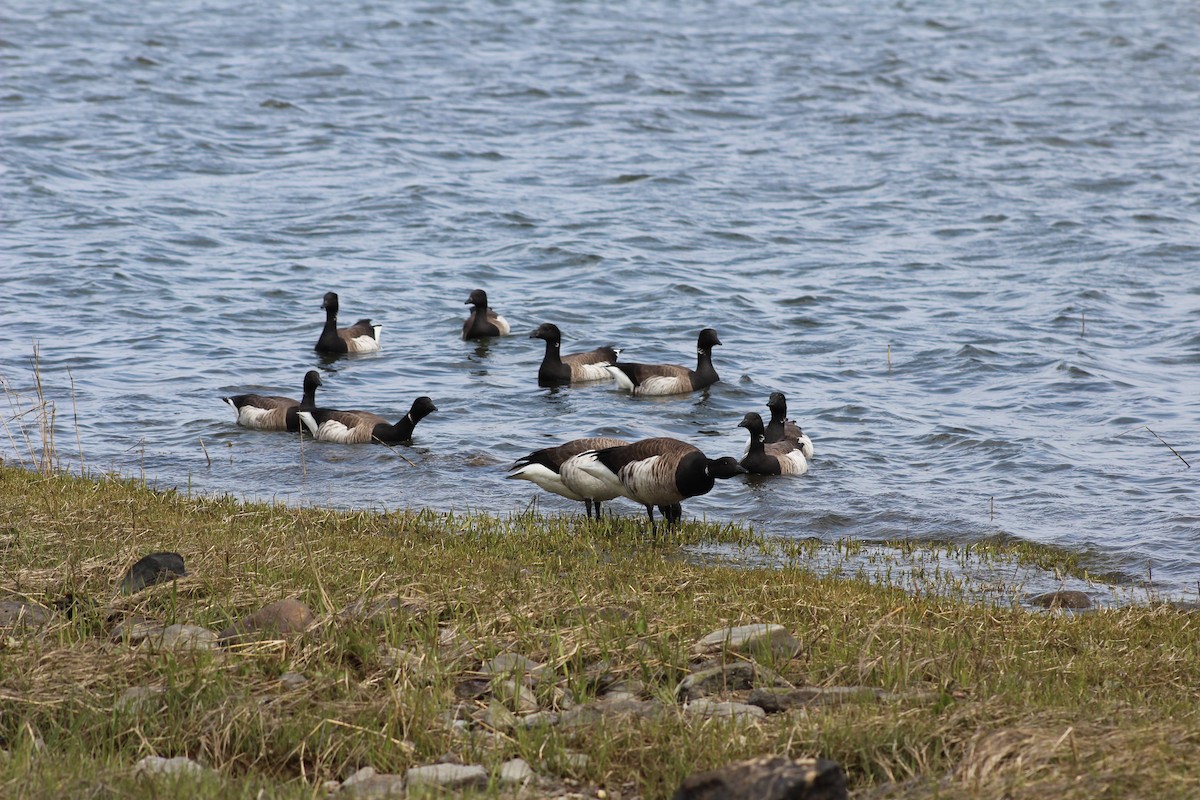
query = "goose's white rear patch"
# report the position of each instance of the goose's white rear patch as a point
(546, 478)
(251, 416)
(594, 482)
(620, 377)
(590, 372)
(363, 344)
(661, 385)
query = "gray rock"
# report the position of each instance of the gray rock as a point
(366, 609)
(516, 770)
(579, 717)
(496, 716)
(509, 663)
(139, 698)
(152, 569)
(768, 778)
(1064, 599)
(705, 708)
(134, 630)
(180, 765)
(763, 641)
(547, 718)
(372, 786)
(292, 680)
(182, 637)
(17, 614)
(576, 762)
(276, 620)
(731, 677)
(448, 776)
(515, 695)
(774, 699)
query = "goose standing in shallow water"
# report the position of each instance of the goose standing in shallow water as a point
(659, 472)
(781, 428)
(557, 470)
(358, 427)
(483, 321)
(273, 413)
(664, 379)
(361, 337)
(777, 458)
(558, 370)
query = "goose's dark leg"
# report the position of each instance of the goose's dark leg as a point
(650, 511)
(596, 503)
(587, 503)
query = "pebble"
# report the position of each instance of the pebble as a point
(19, 614)
(448, 776)
(760, 640)
(285, 617)
(139, 698)
(156, 765)
(182, 637)
(292, 680)
(508, 663)
(516, 770)
(733, 676)
(152, 569)
(773, 699)
(710, 708)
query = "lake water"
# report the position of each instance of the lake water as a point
(962, 237)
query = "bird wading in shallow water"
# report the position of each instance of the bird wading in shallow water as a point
(659, 472)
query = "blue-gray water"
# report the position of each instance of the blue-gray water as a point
(1006, 195)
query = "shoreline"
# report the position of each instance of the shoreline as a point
(913, 694)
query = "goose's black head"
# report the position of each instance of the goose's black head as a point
(312, 379)
(725, 467)
(478, 299)
(330, 302)
(707, 339)
(549, 332)
(777, 403)
(753, 423)
(422, 407)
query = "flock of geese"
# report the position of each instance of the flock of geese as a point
(660, 472)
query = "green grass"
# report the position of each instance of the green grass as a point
(987, 700)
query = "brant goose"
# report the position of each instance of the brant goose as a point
(659, 472)
(781, 428)
(271, 413)
(663, 379)
(483, 321)
(557, 370)
(357, 427)
(556, 469)
(361, 337)
(778, 458)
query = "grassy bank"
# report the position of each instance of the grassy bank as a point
(974, 701)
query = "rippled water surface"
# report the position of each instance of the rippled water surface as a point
(962, 237)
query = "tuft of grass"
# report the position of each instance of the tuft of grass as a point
(980, 699)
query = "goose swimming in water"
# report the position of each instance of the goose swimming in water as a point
(666, 379)
(358, 427)
(483, 321)
(559, 370)
(777, 458)
(271, 412)
(361, 337)
(781, 428)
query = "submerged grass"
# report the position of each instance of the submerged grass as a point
(983, 700)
